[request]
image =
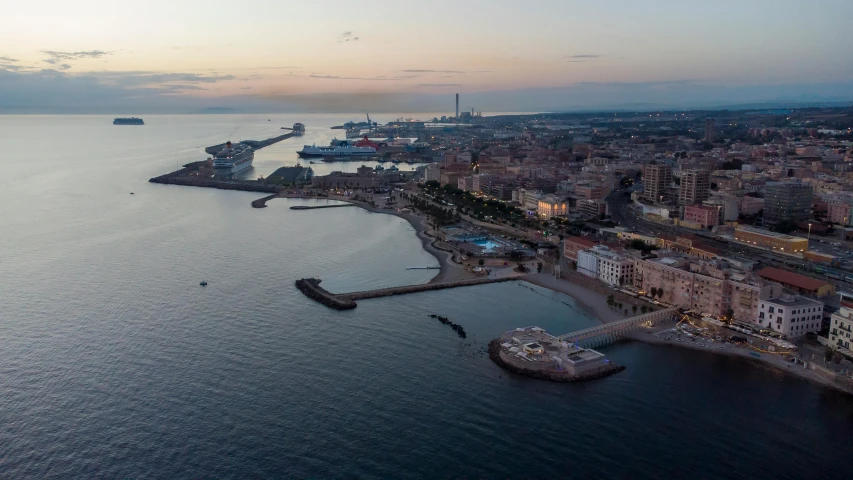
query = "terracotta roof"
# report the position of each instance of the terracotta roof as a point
(580, 241)
(791, 278)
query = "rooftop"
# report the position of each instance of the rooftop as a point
(794, 301)
(791, 278)
(768, 233)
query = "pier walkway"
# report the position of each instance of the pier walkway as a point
(346, 301)
(611, 332)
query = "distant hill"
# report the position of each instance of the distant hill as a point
(216, 110)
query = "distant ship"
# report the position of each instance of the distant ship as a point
(128, 121)
(337, 151)
(233, 158)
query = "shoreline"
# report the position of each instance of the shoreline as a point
(449, 271)
(592, 301)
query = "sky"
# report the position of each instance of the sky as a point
(500, 55)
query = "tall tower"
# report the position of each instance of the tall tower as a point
(457, 107)
(710, 129)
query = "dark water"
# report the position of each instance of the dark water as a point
(114, 363)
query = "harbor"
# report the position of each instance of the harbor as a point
(203, 174)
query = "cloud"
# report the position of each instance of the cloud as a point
(56, 56)
(132, 79)
(8, 59)
(438, 85)
(458, 72)
(380, 78)
(347, 37)
(586, 55)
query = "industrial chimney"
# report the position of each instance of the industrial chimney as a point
(457, 107)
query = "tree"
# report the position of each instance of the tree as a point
(634, 309)
(539, 267)
(480, 262)
(654, 291)
(660, 293)
(730, 315)
(610, 301)
(644, 309)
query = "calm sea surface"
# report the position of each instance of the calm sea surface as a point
(115, 363)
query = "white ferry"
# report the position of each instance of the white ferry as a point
(336, 151)
(233, 158)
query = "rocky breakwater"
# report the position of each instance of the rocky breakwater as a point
(494, 350)
(262, 202)
(312, 289)
(455, 326)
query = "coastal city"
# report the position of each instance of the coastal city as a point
(426, 240)
(737, 224)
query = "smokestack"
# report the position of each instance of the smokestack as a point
(457, 106)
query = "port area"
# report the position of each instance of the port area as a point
(346, 301)
(202, 174)
(535, 353)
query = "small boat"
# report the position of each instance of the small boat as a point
(203, 283)
(131, 193)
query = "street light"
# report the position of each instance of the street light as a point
(808, 238)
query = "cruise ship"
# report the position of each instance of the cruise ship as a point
(336, 151)
(128, 121)
(233, 158)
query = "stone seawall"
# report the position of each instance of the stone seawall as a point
(495, 355)
(262, 202)
(346, 301)
(312, 289)
(387, 292)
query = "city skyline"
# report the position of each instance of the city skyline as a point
(500, 56)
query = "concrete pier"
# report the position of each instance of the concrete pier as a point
(314, 207)
(346, 301)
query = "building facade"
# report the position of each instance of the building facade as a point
(695, 187)
(656, 182)
(572, 245)
(704, 287)
(704, 215)
(772, 240)
(841, 327)
(792, 316)
(551, 206)
(787, 201)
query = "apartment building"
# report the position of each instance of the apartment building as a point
(709, 287)
(656, 182)
(606, 265)
(695, 187)
(841, 327)
(790, 315)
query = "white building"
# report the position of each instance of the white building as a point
(606, 265)
(432, 173)
(617, 271)
(790, 315)
(588, 263)
(841, 327)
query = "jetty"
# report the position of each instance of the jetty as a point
(347, 301)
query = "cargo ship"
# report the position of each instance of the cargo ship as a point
(128, 121)
(233, 158)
